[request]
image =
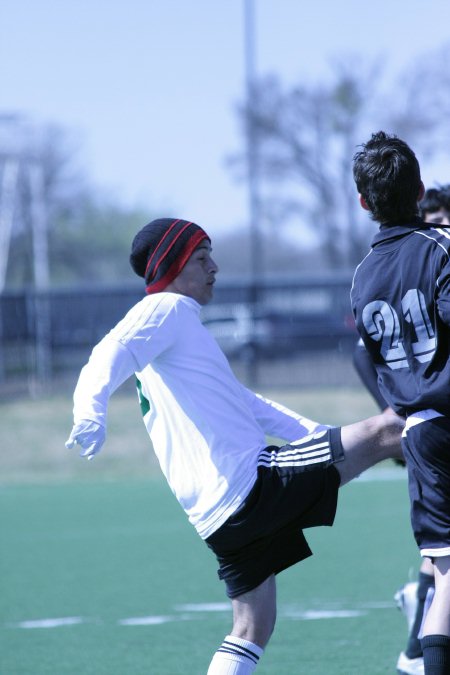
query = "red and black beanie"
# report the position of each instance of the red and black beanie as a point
(162, 248)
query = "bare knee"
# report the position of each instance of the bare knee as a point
(368, 442)
(258, 631)
(254, 613)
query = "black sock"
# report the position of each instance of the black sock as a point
(436, 654)
(414, 648)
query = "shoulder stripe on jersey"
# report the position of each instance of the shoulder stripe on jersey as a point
(444, 232)
(356, 270)
(427, 236)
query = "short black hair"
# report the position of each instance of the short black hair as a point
(435, 199)
(387, 175)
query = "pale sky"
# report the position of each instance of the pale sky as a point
(149, 87)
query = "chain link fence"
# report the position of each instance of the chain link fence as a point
(284, 333)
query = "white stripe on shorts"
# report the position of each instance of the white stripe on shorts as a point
(296, 454)
(435, 552)
(419, 417)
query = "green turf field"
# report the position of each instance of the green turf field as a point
(102, 575)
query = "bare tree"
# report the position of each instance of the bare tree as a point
(308, 134)
(82, 234)
(306, 139)
(45, 184)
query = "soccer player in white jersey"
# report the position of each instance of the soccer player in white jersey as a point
(249, 502)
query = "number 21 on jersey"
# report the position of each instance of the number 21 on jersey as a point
(382, 324)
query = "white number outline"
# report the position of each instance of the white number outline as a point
(382, 324)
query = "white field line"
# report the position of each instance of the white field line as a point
(314, 614)
(193, 612)
(49, 623)
(204, 607)
(145, 620)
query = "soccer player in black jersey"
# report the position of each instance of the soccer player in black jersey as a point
(401, 303)
(414, 596)
(435, 206)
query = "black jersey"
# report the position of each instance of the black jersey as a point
(401, 302)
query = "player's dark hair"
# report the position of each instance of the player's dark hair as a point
(435, 199)
(445, 196)
(431, 202)
(387, 175)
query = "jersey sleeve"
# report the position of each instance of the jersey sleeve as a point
(148, 331)
(109, 365)
(139, 338)
(443, 298)
(279, 421)
(366, 370)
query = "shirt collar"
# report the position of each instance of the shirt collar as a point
(389, 231)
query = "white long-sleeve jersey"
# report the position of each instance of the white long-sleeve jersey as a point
(206, 428)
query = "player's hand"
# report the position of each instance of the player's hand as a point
(89, 435)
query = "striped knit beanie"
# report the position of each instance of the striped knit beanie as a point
(162, 248)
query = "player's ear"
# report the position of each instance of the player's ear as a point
(421, 191)
(363, 203)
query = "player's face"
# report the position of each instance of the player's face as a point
(198, 276)
(441, 217)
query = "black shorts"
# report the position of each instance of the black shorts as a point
(426, 447)
(296, 488)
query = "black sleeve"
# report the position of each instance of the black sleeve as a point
(366, 371)
(443, 299)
